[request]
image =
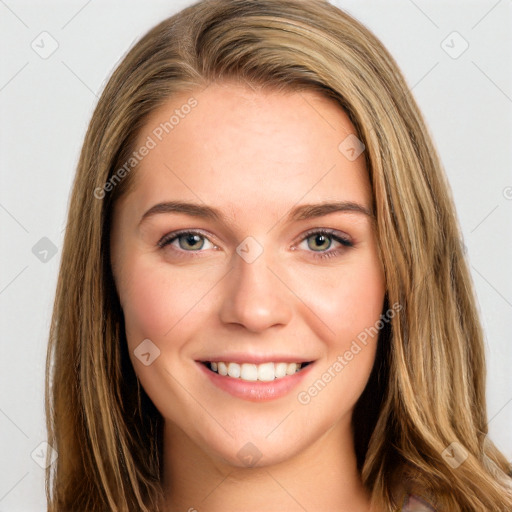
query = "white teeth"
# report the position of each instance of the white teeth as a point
(264, 372)
(292, 368)
(223, 369)
(249, 372)
(280, 370)
(234, 370)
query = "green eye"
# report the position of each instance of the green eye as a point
(188, 241)
(191, 241)
(321, 239)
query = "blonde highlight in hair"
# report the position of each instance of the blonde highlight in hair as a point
(427, 388)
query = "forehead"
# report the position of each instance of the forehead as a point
(241, 149)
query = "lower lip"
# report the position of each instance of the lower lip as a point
(256, 391)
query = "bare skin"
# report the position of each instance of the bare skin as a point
(254, 156)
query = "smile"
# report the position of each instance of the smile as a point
(255, 382)
(255, 372)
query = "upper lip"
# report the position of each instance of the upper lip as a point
(255, 358)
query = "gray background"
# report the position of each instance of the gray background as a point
(46, 101)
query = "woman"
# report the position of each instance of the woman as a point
(263, 302)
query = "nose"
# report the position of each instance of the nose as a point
(255, 296)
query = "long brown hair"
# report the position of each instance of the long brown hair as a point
(426, 393)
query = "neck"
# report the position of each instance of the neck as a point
(322, 477)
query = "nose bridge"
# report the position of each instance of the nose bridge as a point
(256, 298)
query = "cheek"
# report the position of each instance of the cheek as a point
(347, 300)
(361, 299)
(156, 300)
(145, 299)
(355, 314)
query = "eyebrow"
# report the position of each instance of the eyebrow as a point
(302, 212)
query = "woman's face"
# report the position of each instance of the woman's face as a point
(254, 284)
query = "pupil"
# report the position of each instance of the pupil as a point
(321, 239)
(192, 239)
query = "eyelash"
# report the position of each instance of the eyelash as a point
(345, 243)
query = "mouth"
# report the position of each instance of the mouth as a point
(264, 372)
(262, 382)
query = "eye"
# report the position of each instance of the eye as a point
(321, 240)
(187, 241)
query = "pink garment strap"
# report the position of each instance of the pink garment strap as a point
(413, 503)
